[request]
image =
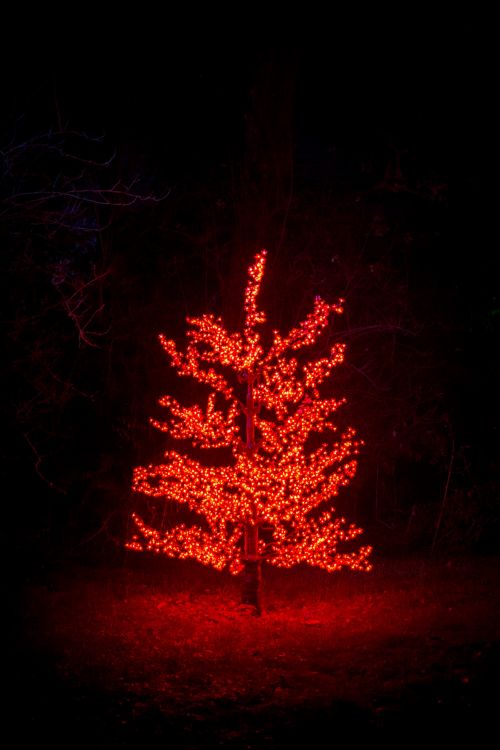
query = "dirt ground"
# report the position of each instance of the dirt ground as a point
(149, 652)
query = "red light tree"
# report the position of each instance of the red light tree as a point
(272, 500)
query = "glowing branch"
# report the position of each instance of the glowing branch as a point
(206, 429)
(253, 316)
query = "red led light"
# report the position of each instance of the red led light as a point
(263, 406)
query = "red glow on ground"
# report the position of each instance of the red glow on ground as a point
(176, 654)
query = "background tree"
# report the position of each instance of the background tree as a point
(272, 500)
(63, 204)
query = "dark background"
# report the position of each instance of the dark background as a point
(144, 162)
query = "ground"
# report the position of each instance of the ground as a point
(146, 653)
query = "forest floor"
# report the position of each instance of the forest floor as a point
(145, 654)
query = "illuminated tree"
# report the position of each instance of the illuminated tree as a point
(272, 499)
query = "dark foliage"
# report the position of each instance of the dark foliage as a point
(361, 177)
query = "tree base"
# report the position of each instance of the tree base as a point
(251, 594)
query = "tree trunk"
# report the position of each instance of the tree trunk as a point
(252, 579)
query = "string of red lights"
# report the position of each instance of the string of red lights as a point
(277, 480)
